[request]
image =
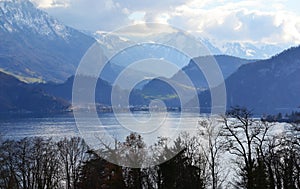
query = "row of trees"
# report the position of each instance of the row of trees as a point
(232, 151)
(294, 117)
(38, 163)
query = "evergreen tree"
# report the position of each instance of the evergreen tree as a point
(97, 173)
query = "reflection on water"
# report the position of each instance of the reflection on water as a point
(65, 126)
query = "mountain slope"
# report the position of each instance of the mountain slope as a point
(103, 90)
(64, 90)
(266, 86)
(35, 45)
(159, 89)
(227, 64)
(17, 96)
(271, 85)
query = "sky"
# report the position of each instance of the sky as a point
(254, 21)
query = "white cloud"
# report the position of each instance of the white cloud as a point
(150, 5)
(51, 3)
(248, 21)
(95, 15)
(137, 17)
(271, 21)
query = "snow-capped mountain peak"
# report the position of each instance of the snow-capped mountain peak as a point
(35, 45)
(20, 15)
(245, 50)
(249, 50)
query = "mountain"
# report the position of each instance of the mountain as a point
(64, 90)
(123, 51)
(266, 86)
(227, 64)
(103, 90)
(36, 46)
(20, 97)
(212, 48)
(160, 88)
(237, 49)
(249, 50)
(188, 43)
(111, 43)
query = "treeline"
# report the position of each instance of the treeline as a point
(260, 156)
(294, 117)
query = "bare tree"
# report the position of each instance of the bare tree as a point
(72, 153)
(8, 173)
(286, 163)
(212, 145)
(244, 135)
(29, 163)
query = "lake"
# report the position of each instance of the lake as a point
(107, 126)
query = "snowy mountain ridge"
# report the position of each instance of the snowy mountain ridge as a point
(249, 50)
(244, 50)
(35, 45)
(21, 15)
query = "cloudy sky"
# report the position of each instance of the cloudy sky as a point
(263, 21)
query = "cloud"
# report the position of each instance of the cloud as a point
(51, 3)
(248, 21)
(95, 15)
(150, 5)
(243, 26)
(265, 21)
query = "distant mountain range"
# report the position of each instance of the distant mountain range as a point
(243, 50)
(160, 88)
(249, 50)
(265, 86)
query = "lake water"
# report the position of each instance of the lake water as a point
(105, 127)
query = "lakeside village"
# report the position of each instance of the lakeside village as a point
(293, 117)
(102, 108)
